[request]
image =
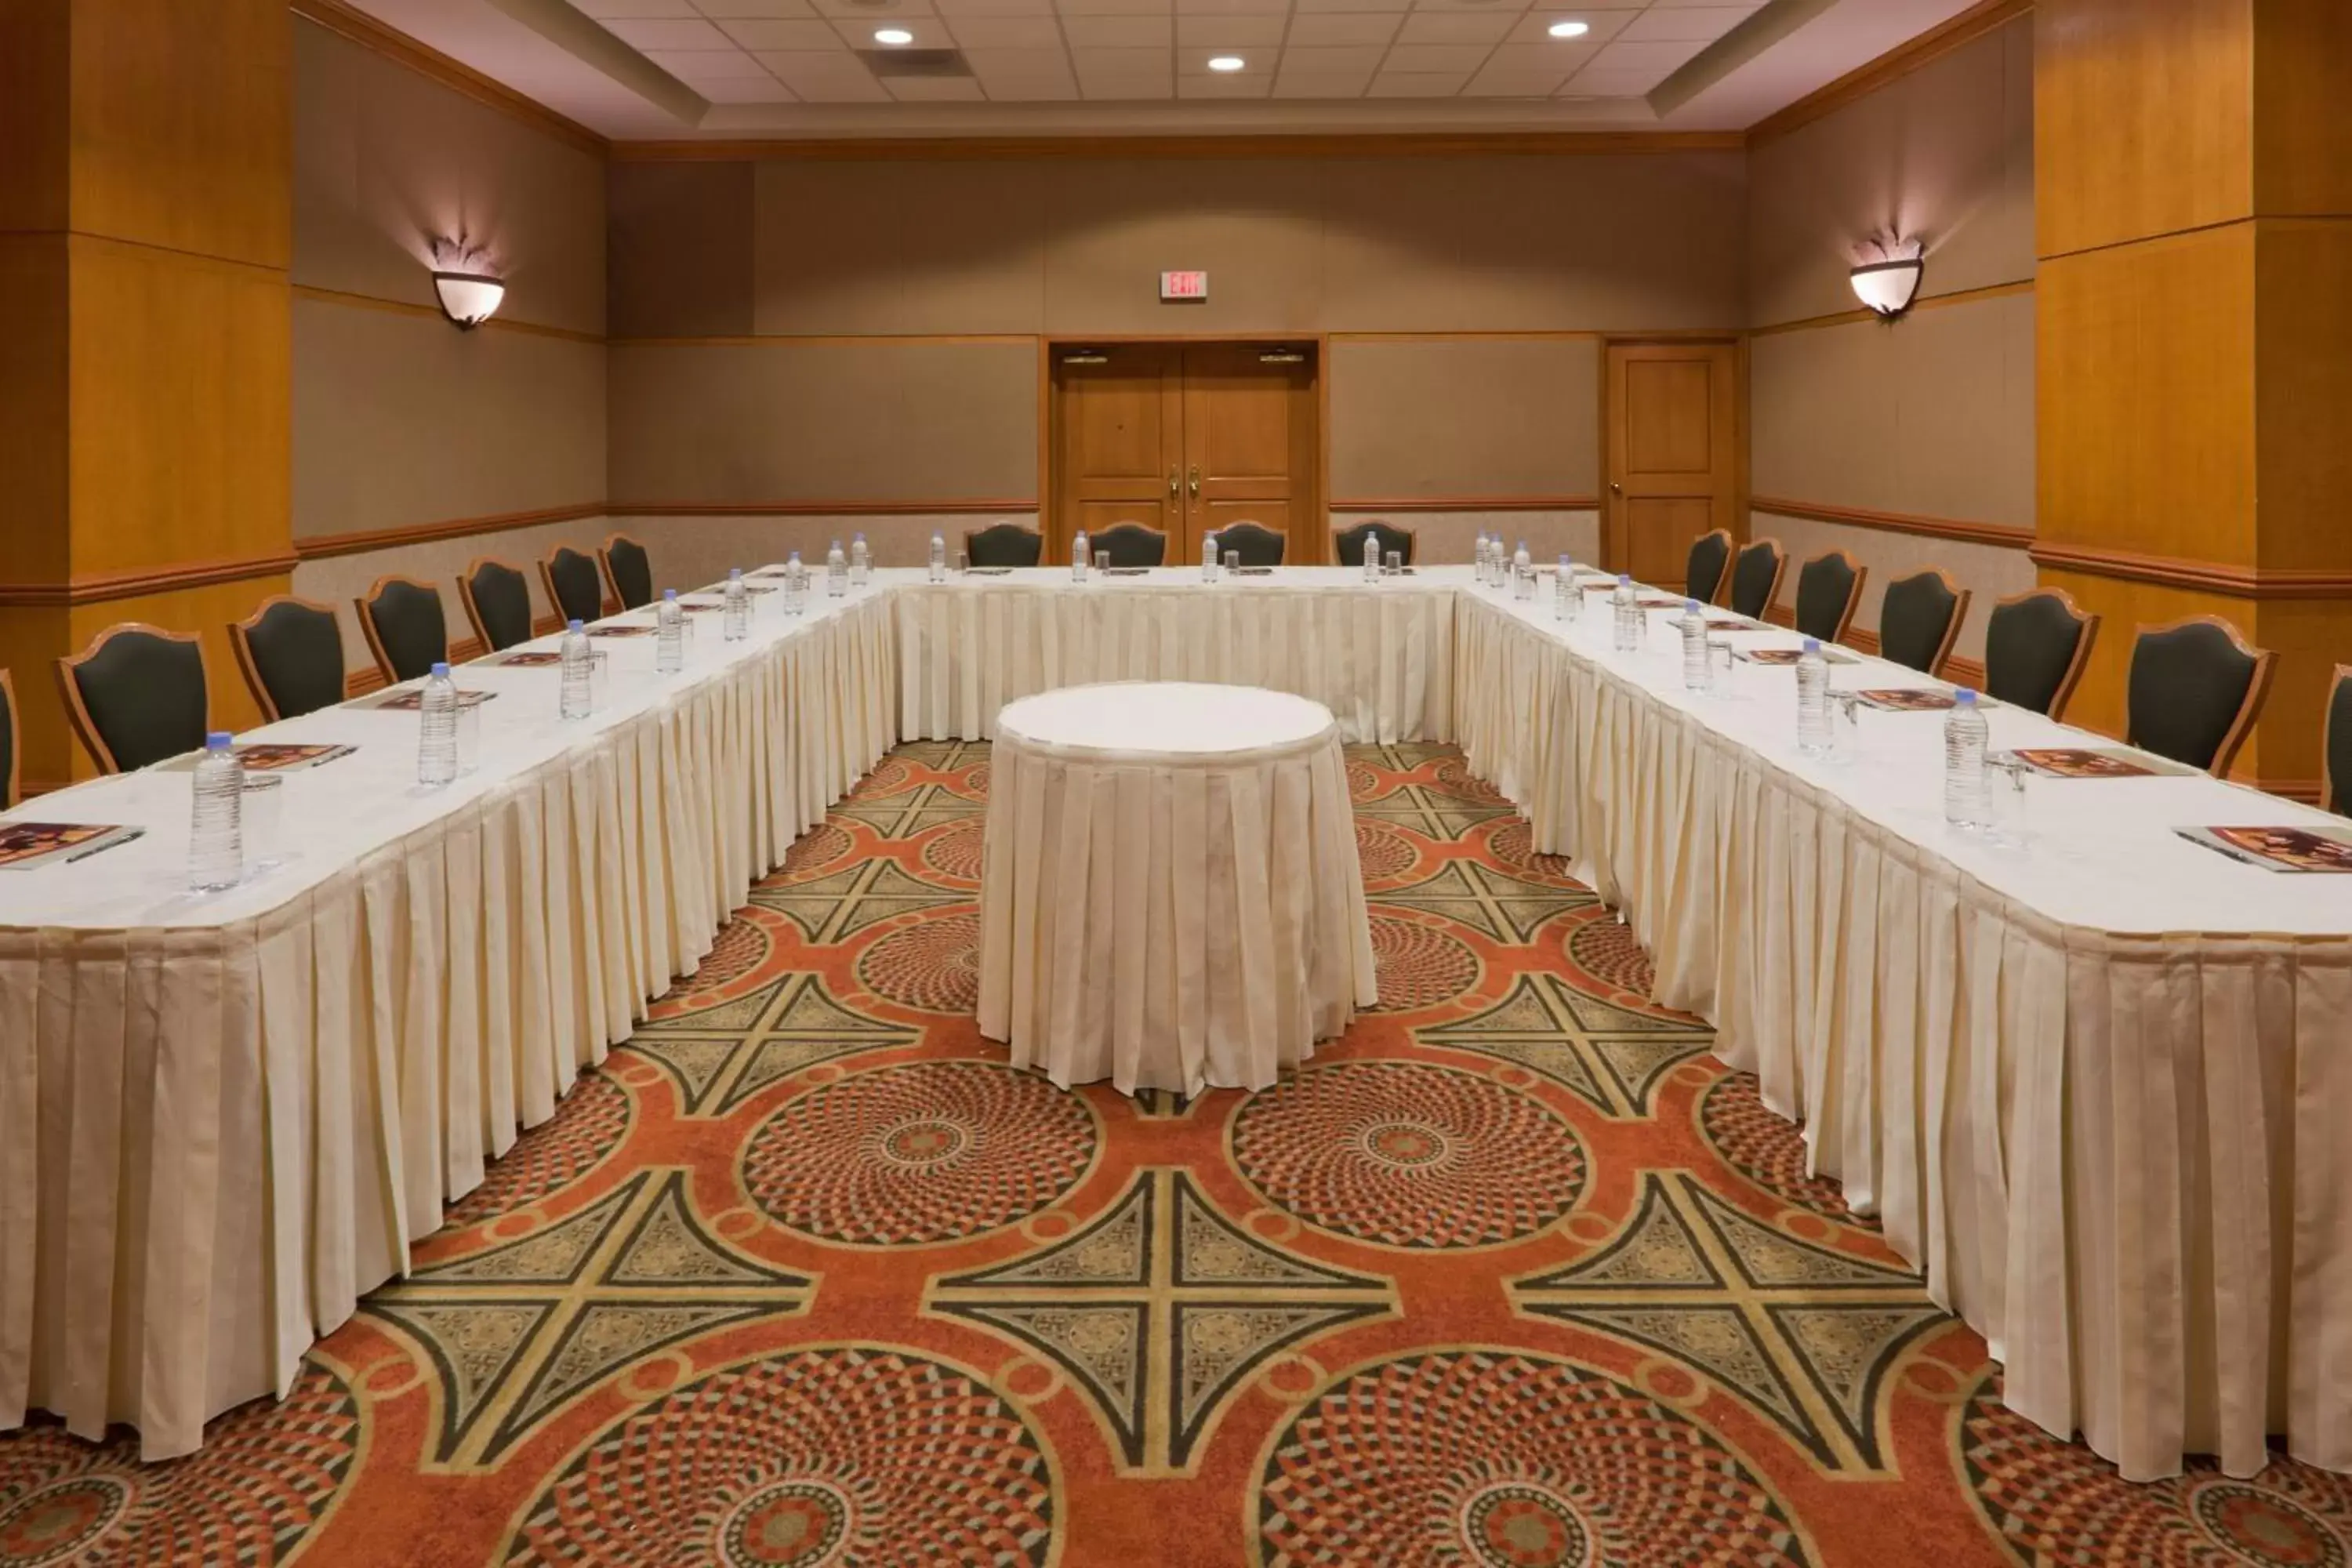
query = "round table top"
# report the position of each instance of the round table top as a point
(1164, 719)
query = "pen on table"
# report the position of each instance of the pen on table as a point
(102, 849)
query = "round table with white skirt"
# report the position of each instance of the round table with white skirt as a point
(1171, 897)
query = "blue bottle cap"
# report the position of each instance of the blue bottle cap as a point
(440, 670)
(734, 574)
(1690, 606)
(1964, 697)
(1813, 645)
(1624, 580)
(572, 625)
(668, 594)
(218, 740)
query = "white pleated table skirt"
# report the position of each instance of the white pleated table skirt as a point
(1180, 905)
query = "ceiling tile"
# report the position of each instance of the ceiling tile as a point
(720, 10)
(1320, 7)
(1558, 60)
(1460, 59)
(931, 33)
(1241, 84)
(1300, 84)
(1417, 84)
(1008, 33)
(837, 77)
(796, 33)
(871, 10)
(1456, 27)
(1118, 32)
(1535, 27)
(1704, 23)
(952, 8)
(695, 34)
(1591, 83)
(708, 65)
(1115, 7)
(766, 89)
(1342, 28)
(1661, 57)
(1346, 61)
(603, 10)
(1219, 35)
(1233, 7)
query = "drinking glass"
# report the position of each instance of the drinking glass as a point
(1394, 566)
(2005, 783)
(1233, 560)
(1721, 683)
(962, 562)
(1845, 726)
(264, 794)
(1102, 561)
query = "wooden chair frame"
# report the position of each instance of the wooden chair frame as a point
(1780, 576)
(613, 603)
(2329, 784)
(367, 621)
(84, 728)
(15, 778)
(1730, 558)
(2258, 688)
(473, 612)
(239, 643)
(1031, 530)
(1411, 533)
(555, 599)
(2088, 620)
(1961, 599)
(1861, 580)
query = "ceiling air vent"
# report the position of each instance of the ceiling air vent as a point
(915, 62)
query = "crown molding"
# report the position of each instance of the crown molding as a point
(349, 22)
(1985, 16)
(1302, 145)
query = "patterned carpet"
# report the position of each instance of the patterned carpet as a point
(1516, 1275)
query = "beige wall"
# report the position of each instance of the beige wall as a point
(868, 255)
(400, 419)
(1932, 415)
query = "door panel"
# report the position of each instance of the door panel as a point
(1119, 442)
(1672, 440)
(1246, 423)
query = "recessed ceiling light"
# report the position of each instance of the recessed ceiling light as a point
(1225, 63)
(893, 36)
(1568, 30)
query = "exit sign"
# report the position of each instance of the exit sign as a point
(1183, 286)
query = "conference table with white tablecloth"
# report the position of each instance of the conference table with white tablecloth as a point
(2097, 1088)
(1171, 897)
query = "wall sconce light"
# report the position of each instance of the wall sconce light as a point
(1889, 286)
(470, 293)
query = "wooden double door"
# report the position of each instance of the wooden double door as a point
(1186, 438)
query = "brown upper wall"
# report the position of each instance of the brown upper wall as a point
(1072, 247)
(1944, 154)
(386, 160)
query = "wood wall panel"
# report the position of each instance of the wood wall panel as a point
(31, 638)
(2304, 410)
(35, 38)
(179, 408)
(2147, 392)
(2143, 121)
(34, 365)
(2303, 131)
(182, 125)
(1465, 417)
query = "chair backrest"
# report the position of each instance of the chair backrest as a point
(497, 597)
(1131, 545)
(572, 584)
(291, 652)
(1003, 544)
(629, 571)
(2335, 743)
(1919, 620)
(136, 696)
(1829, 589)
(11, 747)
(2036, 644)
(406, 632)
(2195, 691)
(1710, 558)
(1255, 544)
(1347, 543)
(1756, 577)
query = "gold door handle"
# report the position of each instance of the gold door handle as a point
(1616, 488)
(1195, 475)
(1171, 484)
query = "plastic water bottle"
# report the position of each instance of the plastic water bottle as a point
(578, 672)
(1372, 557)
(861, 563)
(1078, 557)
(939, 559)
(1814, 736)
(1478, 559)
(1697, 673)
(1209, 556)
(1567, 601)
(1626, 605)
(1967, 794)
(836, 571)
(669, 634)
(436, 743)
(795, 586)
(217, 831)
(735, 621)
(1523, 572)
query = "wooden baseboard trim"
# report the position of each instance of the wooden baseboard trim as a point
(619, 509)
(321, 547)
(100, 587)
(1994, 533)
(1472, 503)
(2259, 583)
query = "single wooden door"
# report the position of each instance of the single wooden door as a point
(1250, 443)
(1673, 451)
(1118, 441)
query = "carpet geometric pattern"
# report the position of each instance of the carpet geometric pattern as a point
(1514, 1274)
